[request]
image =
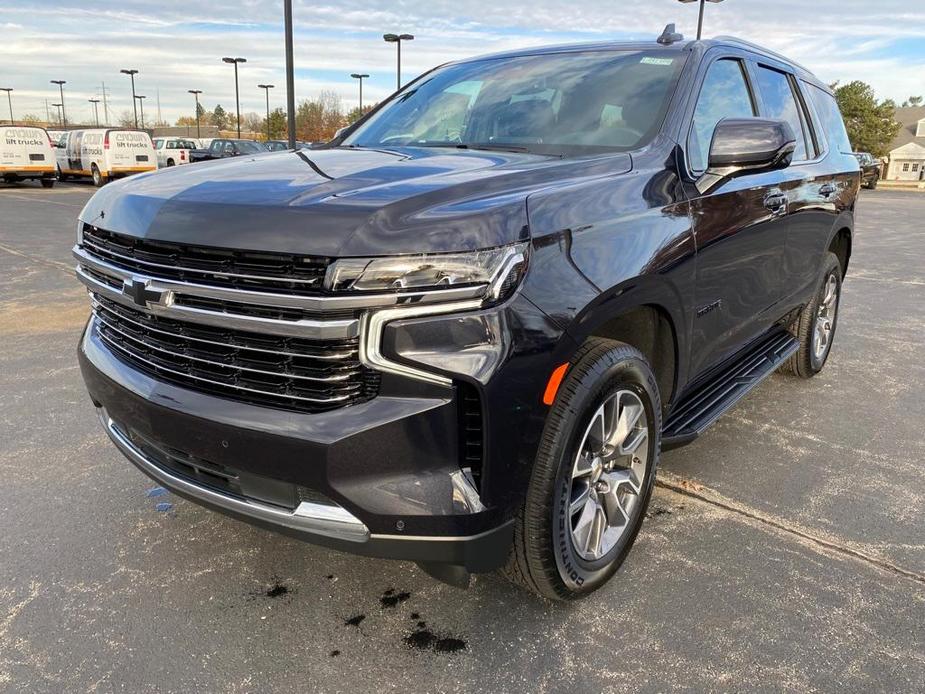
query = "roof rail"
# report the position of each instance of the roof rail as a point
(669, 36)
(761, 49)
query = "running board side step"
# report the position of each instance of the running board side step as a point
(703, 406)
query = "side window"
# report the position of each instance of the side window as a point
(832, 122)
(216, 146)
(724, 94)
(229, 148)
(780, 103)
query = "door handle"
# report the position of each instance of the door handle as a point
(776, 202)
(826, 190)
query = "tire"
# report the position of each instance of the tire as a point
(809, 359)
(61, 176)
(98, 180)
(873, 183)
(170, 162)
(48, 183)
(547, 558)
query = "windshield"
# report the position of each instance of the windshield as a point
(562, 104)
(246, 147)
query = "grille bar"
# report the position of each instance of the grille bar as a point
(166, 352)
(152, 326)
(273, 272)
(300, 374)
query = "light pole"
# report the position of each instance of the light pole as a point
(196, 93)
(96, 113)
(267, 88)
(397, 39)
(9, 99)
(61, 84)
(58, 106)
(360, 77)
(237, 101)
(700, 17)
(290, 75)
(132, 73)
(141, 102)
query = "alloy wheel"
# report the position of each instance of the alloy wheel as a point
(825, 317)
(608, 475)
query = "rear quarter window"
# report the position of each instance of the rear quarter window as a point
(830, 117)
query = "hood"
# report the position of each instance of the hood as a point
(343, 201)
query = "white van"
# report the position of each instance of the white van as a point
(173, 151)
(105, 153)
(26, 153)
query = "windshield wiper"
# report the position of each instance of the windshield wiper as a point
(491, 146)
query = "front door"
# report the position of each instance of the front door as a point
(740, 227)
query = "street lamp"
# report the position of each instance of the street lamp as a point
(360, 77)
(58, 106)
(237, 101)
(96, 113)
(196, 93)
(700, 17)
(141, 102)
(9, 99)
(267, 88)
(132, 73)
(290, 74)
(397, 39)
(61, 84)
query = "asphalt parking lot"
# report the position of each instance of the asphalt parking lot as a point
(785, 550)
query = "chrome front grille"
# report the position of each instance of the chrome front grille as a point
(218, 267)
(278, 371)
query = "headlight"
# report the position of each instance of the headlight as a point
(497, 269)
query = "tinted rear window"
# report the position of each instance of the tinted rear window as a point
(832, 123)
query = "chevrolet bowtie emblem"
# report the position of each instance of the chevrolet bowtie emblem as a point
(137, 291)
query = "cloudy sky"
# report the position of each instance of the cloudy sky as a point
(178, 45)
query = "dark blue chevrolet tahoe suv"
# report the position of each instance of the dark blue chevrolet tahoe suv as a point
(462, 332)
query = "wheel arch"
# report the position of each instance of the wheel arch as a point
(648, 315)
(840, 245)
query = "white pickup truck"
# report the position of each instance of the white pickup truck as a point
(173, 151)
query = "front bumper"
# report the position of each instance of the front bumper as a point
(387, 470)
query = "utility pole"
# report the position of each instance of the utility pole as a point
(158, 106)
(105, 105)
(290, 74)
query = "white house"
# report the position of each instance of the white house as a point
(906, 159)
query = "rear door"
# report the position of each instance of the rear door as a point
(740, 225)
(131, 150)
(25, 149)
(806, 183)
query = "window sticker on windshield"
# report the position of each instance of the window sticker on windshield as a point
(649, 60)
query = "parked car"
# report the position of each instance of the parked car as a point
(104, 154)
(173, 151)
(221, 148)
(26, 153)
(870, 169)
(461, 333)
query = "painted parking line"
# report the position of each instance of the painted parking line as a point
(30, 198)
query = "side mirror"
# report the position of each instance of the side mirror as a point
(747, 145)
